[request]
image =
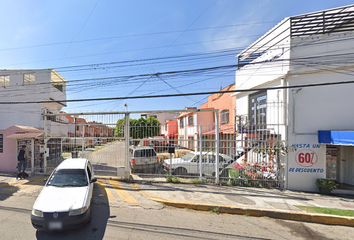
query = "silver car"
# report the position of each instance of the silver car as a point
(189, 163)
(144, 159)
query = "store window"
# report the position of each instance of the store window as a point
(4, 81)
(28, 78)
(331, 162)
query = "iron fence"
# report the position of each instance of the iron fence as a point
(246, 153)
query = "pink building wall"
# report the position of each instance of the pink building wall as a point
(8, 160)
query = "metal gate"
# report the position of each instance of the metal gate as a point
(85, 135)
(186, 148)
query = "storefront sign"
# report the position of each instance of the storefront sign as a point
(307, 170)
(306, 158)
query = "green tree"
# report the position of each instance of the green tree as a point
(139, 128)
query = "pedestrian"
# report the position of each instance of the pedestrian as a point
(21, 158)
(41, 159)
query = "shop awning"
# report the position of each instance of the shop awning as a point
(27, 135)
(336, 137)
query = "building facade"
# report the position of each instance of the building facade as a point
(22, 119)
(298, 80)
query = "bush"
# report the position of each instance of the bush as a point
(325, 183)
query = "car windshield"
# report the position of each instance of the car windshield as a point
(227, 159)
(68, 178)
(188, 156)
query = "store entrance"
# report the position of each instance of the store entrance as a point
(346, 165)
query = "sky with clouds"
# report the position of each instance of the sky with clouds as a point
(137, 38)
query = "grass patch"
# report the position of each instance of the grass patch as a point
(214, 210)
(329, 211)
(197, 181)
(172, 179)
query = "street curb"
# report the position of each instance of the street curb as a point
(255, 212)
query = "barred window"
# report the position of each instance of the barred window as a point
(224, 115)
(4, 81)
(28, 78)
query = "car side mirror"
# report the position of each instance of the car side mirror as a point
(93, 180)
(45, 180)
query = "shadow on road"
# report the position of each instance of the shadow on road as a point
(93, 230)
(7, 190)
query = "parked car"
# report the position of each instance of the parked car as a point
(98, 141)
(65, 200)
(189, 163)
(144, 158)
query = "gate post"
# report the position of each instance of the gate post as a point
(126, 137)
(45, 142)
(201, 154)
(217, 145)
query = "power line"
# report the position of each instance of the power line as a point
(184, 94)
(135, 35)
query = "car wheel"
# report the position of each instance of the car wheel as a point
(90, 216)
(180, 171)
(225, 173)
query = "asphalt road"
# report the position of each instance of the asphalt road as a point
(137, 222)
(106, 160)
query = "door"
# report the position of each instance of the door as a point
(347, 165)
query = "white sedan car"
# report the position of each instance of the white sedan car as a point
(65, 200)
(189, 163)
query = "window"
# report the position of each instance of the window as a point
(4, 81)
(190, 121)
(257, 109)
(28, 78)
(60, 87)
(181, 141)
(181, 123)
(224, 115)
(1, 143)
(89, 173)
(191, 142)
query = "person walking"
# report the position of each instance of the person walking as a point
(21, 158)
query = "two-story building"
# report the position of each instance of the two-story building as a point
(25, 95)
(299, 90)
(226, 105)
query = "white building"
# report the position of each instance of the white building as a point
(26, 86)
(314, 48)
(25, 95)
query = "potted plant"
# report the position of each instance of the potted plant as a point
(325, 185)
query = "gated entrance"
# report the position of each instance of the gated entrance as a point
(191, 146)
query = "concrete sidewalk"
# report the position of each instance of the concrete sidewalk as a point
(249, 201)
